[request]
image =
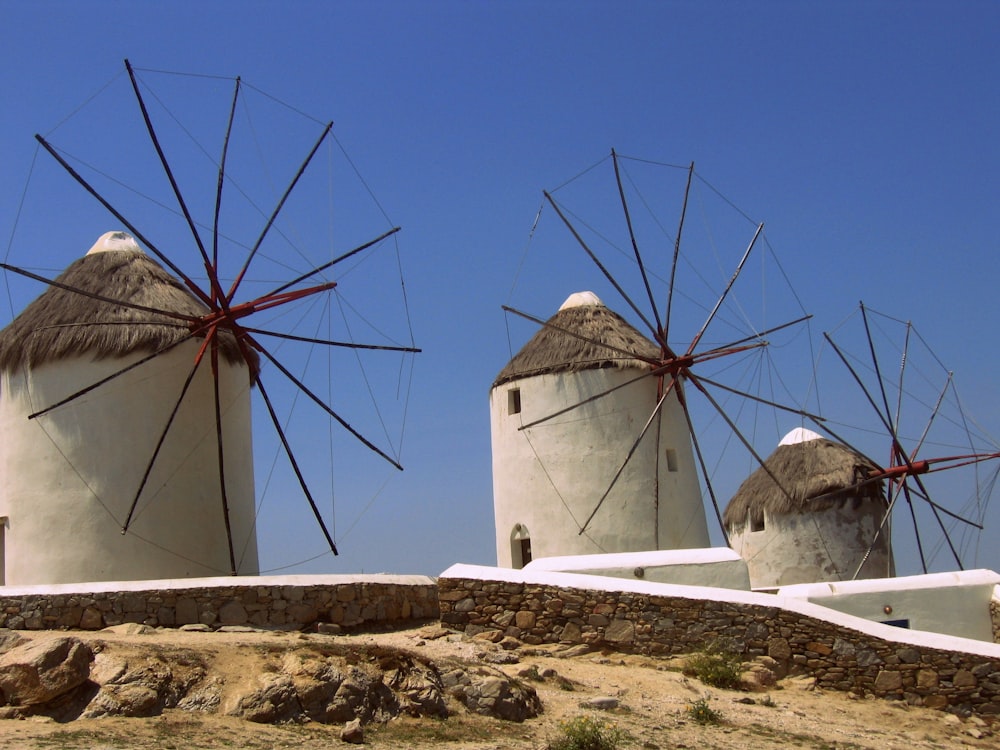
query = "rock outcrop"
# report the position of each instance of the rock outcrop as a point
(33, 674)
(321, 681)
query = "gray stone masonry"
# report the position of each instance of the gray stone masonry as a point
(838, 657)
(347, 601)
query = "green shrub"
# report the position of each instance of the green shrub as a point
(716, 666)
(532, 673)
(565, 684)
(587, 733)
(703, 713)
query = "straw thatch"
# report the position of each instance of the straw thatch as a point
(62, 323)
(551, 350)
(807, 471)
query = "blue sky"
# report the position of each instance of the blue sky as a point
(862, 134)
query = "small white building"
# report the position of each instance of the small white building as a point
(69, 476)
(955, 604)
(822, 521)
(589, 370)
(716, 567)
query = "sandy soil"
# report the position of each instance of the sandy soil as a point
(653, 696)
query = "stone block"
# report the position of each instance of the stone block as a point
(525, 620)
(964, 679)
(888, 681)
(779, 648)
(91, 619)
(70, 617)
(571, 633)
(908, 655)
(927, 679)
(301, 614)
(134, 603)
(233, 613)
(186, 612)
(620, 631)
(165, 616)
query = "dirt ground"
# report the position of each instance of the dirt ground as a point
(653, 706)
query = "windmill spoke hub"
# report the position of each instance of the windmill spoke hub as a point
(675, 366)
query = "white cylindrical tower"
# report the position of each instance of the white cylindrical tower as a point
(820, 524)
(69, 476)
(550, 477)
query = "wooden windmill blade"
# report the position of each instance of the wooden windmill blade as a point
(947, 441)
(672, 369)
(242, 312)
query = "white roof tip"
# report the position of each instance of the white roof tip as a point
(581, 299)
(800, 435)
(115, 241)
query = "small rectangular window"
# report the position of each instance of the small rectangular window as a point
(514, 401)
(525, 551)
(904, 623)
(671, 459)
(757, 524)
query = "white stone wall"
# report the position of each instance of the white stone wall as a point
(67, 478)
(549, 478)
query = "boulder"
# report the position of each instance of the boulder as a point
(275, 701)
(419, 689)
(501, 697)
(362, 696)
(353, 732)
(143, 687)
(316, 688)
(123, 700)
(40, 671)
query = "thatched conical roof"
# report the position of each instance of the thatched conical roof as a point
(62, 323)
(807, 469)
(603, 336)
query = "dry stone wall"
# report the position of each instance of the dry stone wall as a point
(263, 602)
(840, 658)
